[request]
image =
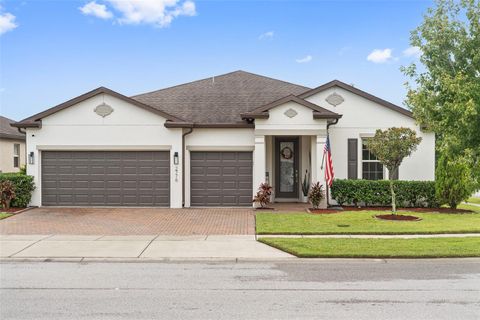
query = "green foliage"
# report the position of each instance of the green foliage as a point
(23, 188)
(316, 195)
(444, 93)
(391, 147)
(305, 184)
(23, 169)
(263, 195)
(7, 193)
(377, 193)
(453, 184)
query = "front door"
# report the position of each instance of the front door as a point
(286, 167)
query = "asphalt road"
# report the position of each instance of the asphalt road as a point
(332, 289)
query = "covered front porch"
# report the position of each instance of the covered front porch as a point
(289, 163)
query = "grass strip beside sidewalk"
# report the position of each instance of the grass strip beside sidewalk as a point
(4, 215)
(377, 248)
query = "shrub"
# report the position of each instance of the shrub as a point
(23, 188)
(316, 195)
(7, 193)
(377, 193)
(263, 195)
(454, 183)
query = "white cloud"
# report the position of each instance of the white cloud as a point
(412, 52)
(380, 56)
(96, 10)
(305, 59)
(7, 21)
(266, 35)
(159, 13)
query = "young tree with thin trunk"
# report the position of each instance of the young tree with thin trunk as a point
(390, 147)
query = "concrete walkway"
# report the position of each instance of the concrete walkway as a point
(136, 247)
(372, 236)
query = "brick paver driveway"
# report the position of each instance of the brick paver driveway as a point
(131, 221)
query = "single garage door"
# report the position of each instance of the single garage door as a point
(221, 178)
(105, 178)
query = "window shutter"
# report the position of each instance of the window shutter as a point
(352, 158)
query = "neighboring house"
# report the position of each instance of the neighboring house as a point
(12, 147)
(209, 142)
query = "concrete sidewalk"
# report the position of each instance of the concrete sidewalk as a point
(136, 247)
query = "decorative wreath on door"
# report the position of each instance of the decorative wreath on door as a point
(287, 153)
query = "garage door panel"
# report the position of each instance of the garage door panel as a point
(221, 178)
(106, 178)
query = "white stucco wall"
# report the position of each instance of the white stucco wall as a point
(361, 118)
(127, 128)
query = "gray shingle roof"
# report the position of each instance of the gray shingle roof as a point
(220, 99)
(8, 132)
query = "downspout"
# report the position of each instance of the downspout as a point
(328, 126)
(184, 150)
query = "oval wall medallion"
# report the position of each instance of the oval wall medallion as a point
(103, 110)
(290, 113)
(334, 99)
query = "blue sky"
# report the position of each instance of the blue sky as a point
(51, 51)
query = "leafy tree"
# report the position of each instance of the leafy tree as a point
(453, 184)
(390, 147)
(444, 94)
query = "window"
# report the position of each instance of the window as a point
(16, 155)
(372, 169)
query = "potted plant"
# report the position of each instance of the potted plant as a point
(262, 197)
(7, 193)
(316, 195)
(305, 186)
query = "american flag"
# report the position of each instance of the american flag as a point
(327, 154)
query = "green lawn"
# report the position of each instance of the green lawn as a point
(362, 222)
(4, 215)
(474, 200)
(378, 248)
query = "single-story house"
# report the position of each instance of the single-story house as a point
(210, 142)
(12, 147)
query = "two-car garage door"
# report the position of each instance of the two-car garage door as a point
(106, 178)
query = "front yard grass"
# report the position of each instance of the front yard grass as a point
(362, 222)
(378, 248)
(474, 200)
(4, 215)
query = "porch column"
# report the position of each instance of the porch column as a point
(259, 162)
(320, 172)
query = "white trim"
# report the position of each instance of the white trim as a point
(105, 147)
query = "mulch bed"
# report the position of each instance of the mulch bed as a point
(440, 210)
(265, 208)
(11, 210)
(397, 217)
(322, 211)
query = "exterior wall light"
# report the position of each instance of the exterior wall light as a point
(31, 158)
(175, 158)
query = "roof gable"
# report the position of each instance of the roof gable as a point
(318, 112)
(35, 120)
(356, 91)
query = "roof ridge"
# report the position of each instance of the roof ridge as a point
(184, 84)
(218, 76)
(270, 78)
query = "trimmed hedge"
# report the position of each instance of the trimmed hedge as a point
(377, 193)
(23, 188)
